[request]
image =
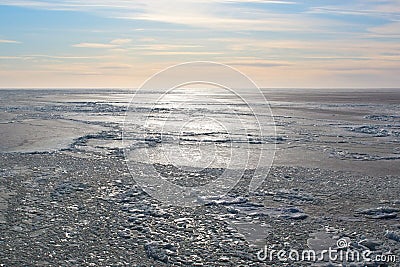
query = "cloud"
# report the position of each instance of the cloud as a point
(115, 66)
(38, 56)
(64, 57)
(261, 2)
(94, 45)
(355, 11)
(10, 57)
(258, 64)
(390, 29)
(163, 47)
(115, 44)
(4, 41)
(213, 14)
(174, 53)
(388, 9)
(121, 41)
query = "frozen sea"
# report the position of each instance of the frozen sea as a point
(86, 175)
(355, 130)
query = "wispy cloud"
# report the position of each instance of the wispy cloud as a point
(115, 66)
(174, 53)
(30, 57)
(260, 1)
(355, 11)
(388, 9)
(265, 64)
(116, 43)
(214, 14)
(120, 41)
(389, 29)
(163, 47)
(94, 45)
(5, 41)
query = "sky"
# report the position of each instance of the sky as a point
(278, 44)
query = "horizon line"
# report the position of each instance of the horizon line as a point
(136, 88)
